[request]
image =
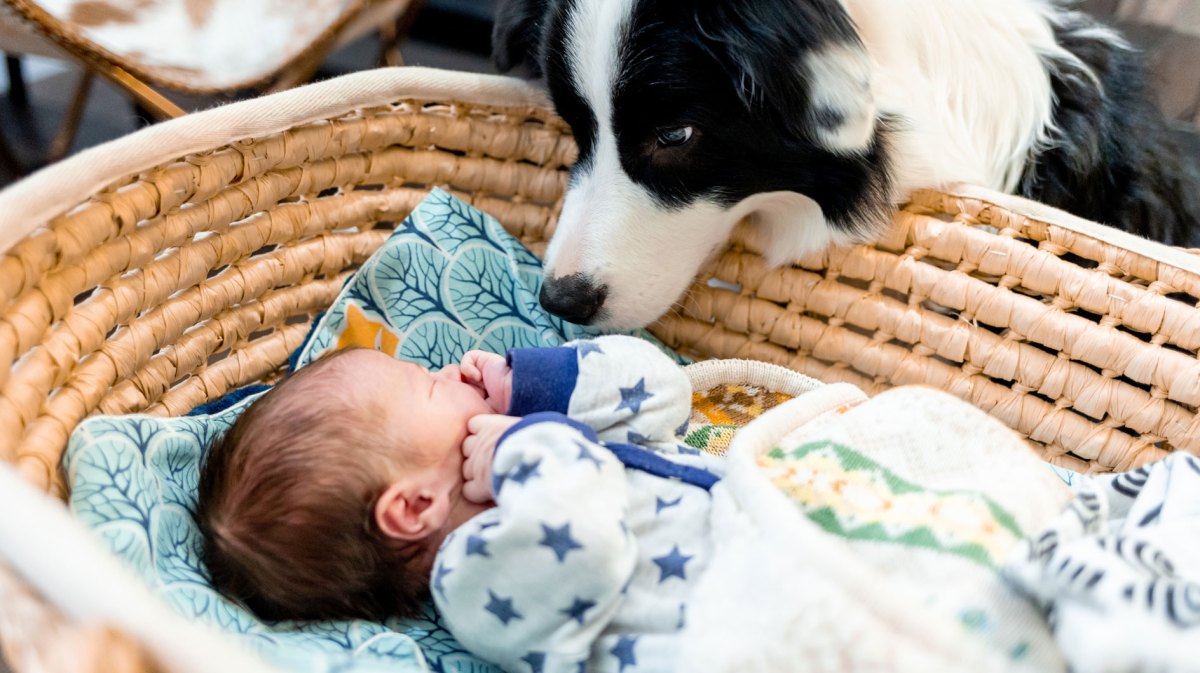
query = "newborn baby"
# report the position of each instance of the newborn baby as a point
(543, 496)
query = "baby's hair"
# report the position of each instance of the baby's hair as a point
(286, 505)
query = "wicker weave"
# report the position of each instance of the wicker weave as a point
(194, 271)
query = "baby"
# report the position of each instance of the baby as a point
(544, 497)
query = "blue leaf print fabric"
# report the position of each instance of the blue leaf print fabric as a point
(449, 280)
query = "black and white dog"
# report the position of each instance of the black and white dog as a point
(816, 117)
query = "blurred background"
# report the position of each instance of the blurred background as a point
(37, 93)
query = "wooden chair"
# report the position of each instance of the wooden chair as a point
(214, 48)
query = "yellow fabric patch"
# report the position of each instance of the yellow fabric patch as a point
(363, 332)
(719, 412)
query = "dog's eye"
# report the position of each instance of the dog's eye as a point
(674, 137)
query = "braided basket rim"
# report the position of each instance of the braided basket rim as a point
(56, 189)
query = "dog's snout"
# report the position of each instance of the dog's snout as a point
(574, 298)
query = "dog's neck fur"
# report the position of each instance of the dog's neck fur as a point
(927, 52)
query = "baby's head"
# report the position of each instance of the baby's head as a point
(328, 498)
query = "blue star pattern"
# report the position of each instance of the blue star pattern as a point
(660, 504)
(559, 540)
(536, 661)
(477, 546)
(582, 667)
(586, 454)
(502, 608)
(525, 471)
(672, 565)
(623, 651)
(586, 348)
(633, 398)
(637, 438)
(578, 609)
(439, 575)
(688, 451)
(681, 431)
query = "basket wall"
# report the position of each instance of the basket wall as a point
(172, 286)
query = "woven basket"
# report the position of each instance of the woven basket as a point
(169, 267)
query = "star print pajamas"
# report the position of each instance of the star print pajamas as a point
(601, 525)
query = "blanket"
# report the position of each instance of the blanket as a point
(1118, 573)
(890, 519)
(450, 279)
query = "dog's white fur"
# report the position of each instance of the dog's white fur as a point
(968, 81)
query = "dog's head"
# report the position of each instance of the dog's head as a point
(690, 115)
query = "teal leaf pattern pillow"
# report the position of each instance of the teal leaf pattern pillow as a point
(449, 279)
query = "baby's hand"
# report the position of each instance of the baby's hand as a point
(478, 448)
(491, 374)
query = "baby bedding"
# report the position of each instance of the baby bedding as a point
(856, 535)
(450, 279)
(1118, 573)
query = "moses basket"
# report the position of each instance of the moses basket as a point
(167, 268)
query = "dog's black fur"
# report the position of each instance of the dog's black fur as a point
(743, 78)
(1114, 160)
(671, 80)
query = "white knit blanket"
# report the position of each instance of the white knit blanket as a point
(867, 535)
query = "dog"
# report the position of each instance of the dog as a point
(816, 118)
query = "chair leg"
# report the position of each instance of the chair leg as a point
(10, 165)
(390, 35)
(18, 93)
(159, 106)
(61, 145)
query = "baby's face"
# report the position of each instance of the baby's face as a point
(427, 413)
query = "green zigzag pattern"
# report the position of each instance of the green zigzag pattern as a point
(924, 537)
(700, 438)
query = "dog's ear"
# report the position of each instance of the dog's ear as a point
(517, 34)
(801, 63)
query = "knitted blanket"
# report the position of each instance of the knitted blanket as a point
(890, 519)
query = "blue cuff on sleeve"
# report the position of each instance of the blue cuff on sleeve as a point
(543, 379)
(547, 417)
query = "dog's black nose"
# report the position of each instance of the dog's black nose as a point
(573, 298)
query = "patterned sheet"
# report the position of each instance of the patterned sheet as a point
(449, 280)
(719, 412)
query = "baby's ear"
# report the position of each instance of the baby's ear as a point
(406, 511)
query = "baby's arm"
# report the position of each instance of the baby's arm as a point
(624, 388)
(537, 578)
